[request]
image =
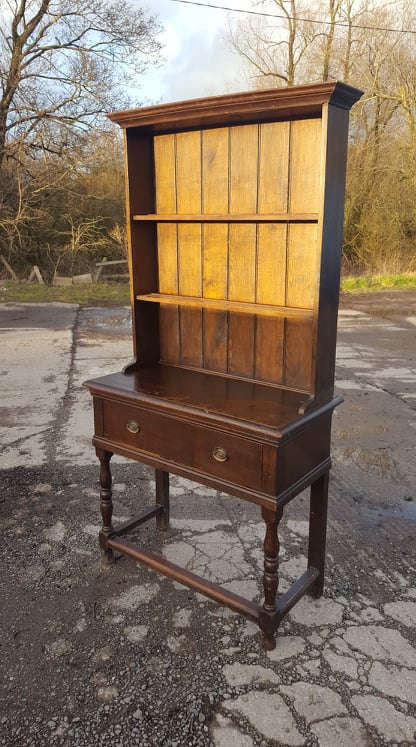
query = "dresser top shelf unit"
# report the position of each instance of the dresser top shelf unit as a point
(235, 226)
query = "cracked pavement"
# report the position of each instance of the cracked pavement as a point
(97, 656)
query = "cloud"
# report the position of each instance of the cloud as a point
(198, 59)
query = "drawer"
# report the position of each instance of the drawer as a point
(230, 458)
(146, 431)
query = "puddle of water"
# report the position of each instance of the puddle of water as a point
(406, 510)
(107, 321)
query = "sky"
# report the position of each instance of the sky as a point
(198, 61)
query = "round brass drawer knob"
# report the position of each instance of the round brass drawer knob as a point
(220, 454)
(133, 427)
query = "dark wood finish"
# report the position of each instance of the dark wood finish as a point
(235, 209)
(271, 574)
(317, 531)
(106, 503)
(162, 499)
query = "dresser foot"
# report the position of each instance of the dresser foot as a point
(268, 642)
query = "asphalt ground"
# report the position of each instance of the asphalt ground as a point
(94, 655)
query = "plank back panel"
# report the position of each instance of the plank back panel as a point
(266, 169)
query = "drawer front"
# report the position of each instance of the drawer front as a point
(230, 458)
(150, 432)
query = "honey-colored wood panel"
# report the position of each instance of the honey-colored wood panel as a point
(242, 247)
(298, 354)
(189, 260)
(271, 288)
(215, 188)
(242, 263)
(188, 191)
(215, 263)
(165, 173)
(273, 167)
(168, 283)
(243, 169)
(215, 326)
(167, 258)
(190, 284)
(303, 266)
(188, 185)
(165, 179)
(305, 166)
(271, 264)
(241, 287)
(215, 165)
(188, 171)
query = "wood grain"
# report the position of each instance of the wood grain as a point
(165, 177)
(215, 189)
(242, 246)
(188, 191)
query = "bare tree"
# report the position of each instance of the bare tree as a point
(274, 45)
(64, 62)
(370, 44)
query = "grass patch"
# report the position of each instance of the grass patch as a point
(379, 282)
(94, 294)
(103, 294)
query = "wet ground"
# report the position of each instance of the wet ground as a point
(120, 656)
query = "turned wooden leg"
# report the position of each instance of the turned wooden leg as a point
(106, 503)
(317, 531)
(162, 498)
(271, 576)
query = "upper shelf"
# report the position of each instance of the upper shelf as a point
(234, 218)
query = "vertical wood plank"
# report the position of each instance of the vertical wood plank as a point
(303, 265)
(299, 341)
(165, 175)
(274, 167)
(305, 166)
(188, 185)
(271, 249)
(215, 188)
(242, 246)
